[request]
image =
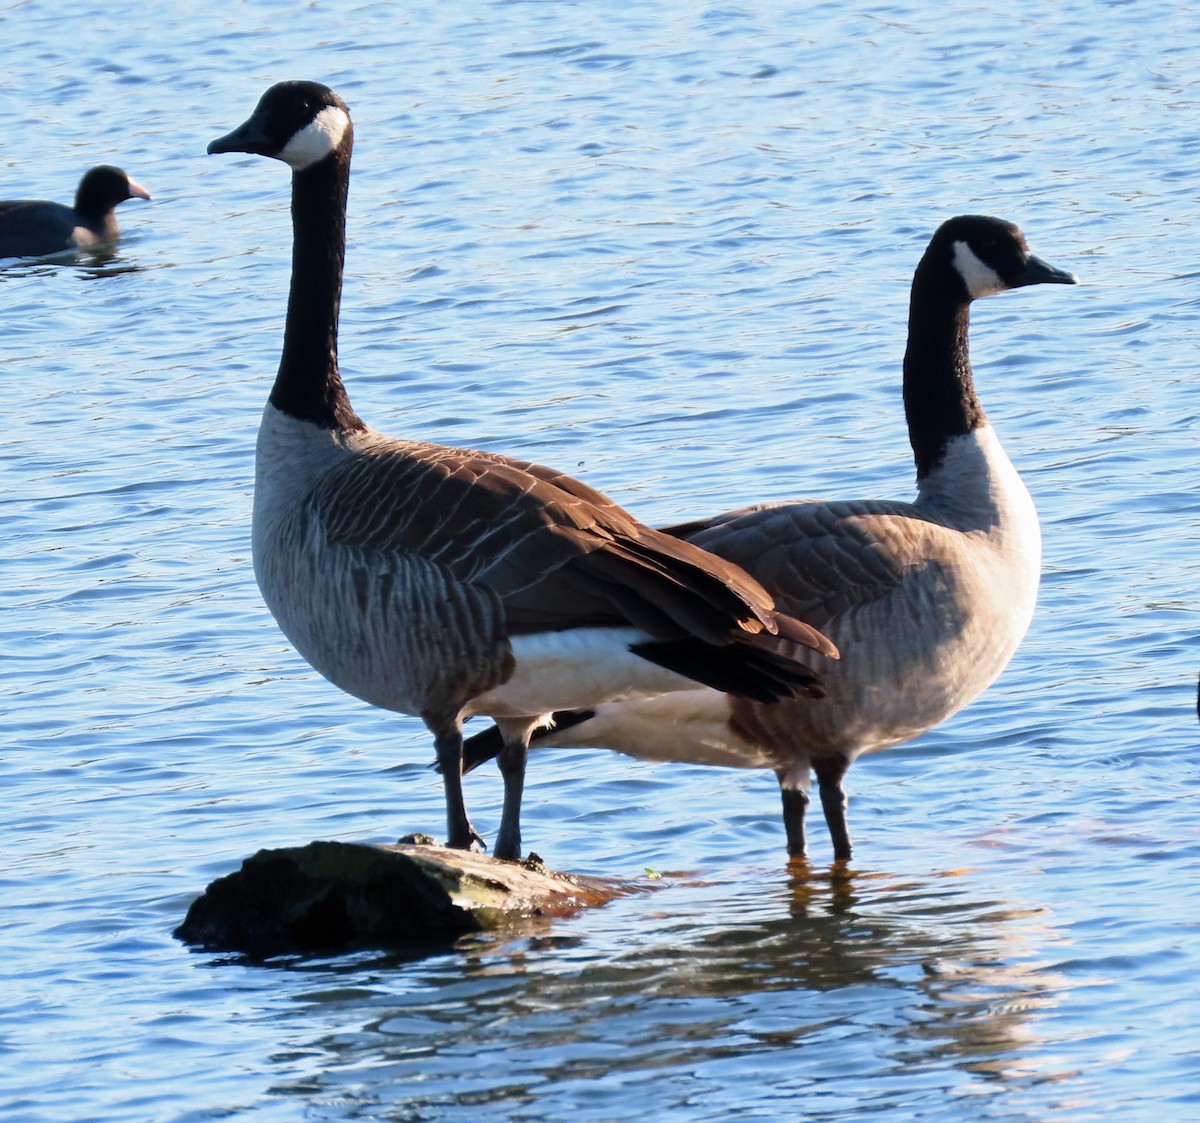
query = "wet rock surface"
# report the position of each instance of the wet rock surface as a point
(328, 896)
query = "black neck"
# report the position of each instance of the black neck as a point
(308, 385)
(98, 216)
(939, 392)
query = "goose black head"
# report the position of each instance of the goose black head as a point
(990, 255)
(299, 123)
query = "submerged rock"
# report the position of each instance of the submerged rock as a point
(329, 896)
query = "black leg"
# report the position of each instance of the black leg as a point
(795, 808)
(833, 803)
(460, 835)
(512, 768)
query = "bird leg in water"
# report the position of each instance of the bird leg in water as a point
(793, 787)
(795, 807)
(833, 803)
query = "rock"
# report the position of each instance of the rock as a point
(331, 896)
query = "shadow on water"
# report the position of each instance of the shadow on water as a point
(832, 973)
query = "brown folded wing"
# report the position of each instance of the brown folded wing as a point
(557, 553)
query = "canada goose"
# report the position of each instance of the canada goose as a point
(36, 228)
(927, 600)
(442, 582)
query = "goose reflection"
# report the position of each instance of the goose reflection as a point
(822, 974)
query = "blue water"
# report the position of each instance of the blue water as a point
(666, 247)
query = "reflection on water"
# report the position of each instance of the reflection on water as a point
(801, 983)
(94, 262)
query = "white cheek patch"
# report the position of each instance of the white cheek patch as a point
(980, 279)
(317, 139)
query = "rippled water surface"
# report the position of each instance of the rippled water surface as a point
(667, 247)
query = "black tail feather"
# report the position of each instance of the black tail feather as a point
(749, 671)
(481, 747)
(485, 745)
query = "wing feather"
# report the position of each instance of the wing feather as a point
(823, 561)
(557, 553)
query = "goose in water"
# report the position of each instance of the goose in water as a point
(442, 582)
(36, 228)
(926, 600)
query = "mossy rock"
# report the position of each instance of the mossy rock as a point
(328, 896)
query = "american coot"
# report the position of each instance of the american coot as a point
(927, 600)
(36, 228)
(443, 582)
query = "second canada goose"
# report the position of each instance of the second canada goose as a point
(38, 228)
(444, 582)
(927, 600)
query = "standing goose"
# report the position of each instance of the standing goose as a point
(443, 582)
(36, 228)
(926, 600)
